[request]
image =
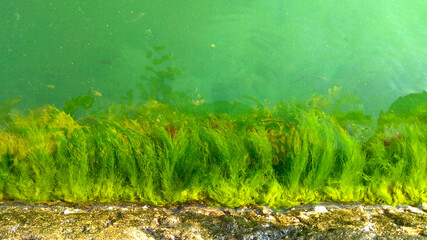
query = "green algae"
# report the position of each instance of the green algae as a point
(412, 104)
(81, 102)
(277, 155)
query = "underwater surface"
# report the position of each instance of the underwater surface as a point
(255, 102)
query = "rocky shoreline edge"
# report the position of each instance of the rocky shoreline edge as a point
(58, 220)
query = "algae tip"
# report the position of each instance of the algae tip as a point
(18, 16)
(97, 93)
(137, 17)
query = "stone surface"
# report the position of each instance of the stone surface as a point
(133, 221)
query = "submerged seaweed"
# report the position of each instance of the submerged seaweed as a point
(280, 155)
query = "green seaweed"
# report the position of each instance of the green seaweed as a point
(278, 155)
(7, 112)
(414, 103)
(159, 75)
(84, 102)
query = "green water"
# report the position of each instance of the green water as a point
(265, 49)
(254, 102)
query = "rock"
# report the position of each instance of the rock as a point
(68, 211)
(415, 210)
(112, 221)
(320, 209)
(134, 233)
(13, 229)
(263, 211)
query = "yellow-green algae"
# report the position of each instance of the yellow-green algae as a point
(277, 155)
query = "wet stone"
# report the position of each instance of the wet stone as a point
(133, 221)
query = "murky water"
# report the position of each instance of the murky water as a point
(51, 51)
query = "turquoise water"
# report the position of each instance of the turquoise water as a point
(52, 51)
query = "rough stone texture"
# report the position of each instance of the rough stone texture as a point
(133, 221)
